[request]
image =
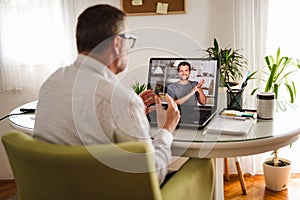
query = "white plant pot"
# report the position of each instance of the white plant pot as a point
(277, 178)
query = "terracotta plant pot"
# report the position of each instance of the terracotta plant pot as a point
(277, 178)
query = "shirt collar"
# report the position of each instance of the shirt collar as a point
(95, 66)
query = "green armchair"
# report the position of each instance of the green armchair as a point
(49, 171)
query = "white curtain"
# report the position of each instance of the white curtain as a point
(36, 37)
(260, 27)
(250, 31)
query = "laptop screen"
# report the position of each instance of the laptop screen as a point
(163, 72)
(164, 77)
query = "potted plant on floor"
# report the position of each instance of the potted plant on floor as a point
(232, 63)
(276, 172)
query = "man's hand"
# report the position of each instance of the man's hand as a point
(169, 118)
(148, 97)
(201, 83)
(198, 86)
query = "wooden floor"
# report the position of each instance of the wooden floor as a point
(232, 191)
(7, 190)
(256, 189)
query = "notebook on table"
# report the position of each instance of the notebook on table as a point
(230, 126)
(163, 72)
(233, 122)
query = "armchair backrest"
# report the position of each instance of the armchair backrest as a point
(50, 171)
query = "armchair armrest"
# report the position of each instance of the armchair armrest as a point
(193, 180)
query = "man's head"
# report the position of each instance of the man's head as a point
(98, 24)
(100, 33)
(184, 70)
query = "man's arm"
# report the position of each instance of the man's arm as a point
(171, 93)
(185, 98)
(162, 139)
(167, 122)
(201, 96)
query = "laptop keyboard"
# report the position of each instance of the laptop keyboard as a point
(194, 116)
(188, 116)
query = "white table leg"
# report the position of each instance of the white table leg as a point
(219, 183)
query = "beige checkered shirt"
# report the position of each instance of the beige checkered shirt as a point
(86, 103)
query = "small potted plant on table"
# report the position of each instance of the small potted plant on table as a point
(138, 87)
(232, 63)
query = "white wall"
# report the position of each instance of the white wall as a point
(204, 20)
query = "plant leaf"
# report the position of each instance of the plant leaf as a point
(290, 90)
(251, 76)
(278, 55)
(267, 60)
(253, 91)
(138, 88)
(294, 88)
(271, 78)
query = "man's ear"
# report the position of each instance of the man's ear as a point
(117, 45)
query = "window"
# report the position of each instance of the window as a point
(34, 33)
(283, 28)
(284, 32)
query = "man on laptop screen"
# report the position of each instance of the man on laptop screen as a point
(191, 82)
(185, 91)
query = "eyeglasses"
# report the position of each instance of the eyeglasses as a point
(131, 38)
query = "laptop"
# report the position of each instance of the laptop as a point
(163, 72)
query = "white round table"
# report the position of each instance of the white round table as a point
(265, 135)
(23, 122)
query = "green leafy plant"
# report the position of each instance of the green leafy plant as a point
(277, 74)
(138, 88)
(232, 62)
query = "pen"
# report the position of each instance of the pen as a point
(229, 88)
(245, 79)
(233, 113)
(235, 118)
(238, 115)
